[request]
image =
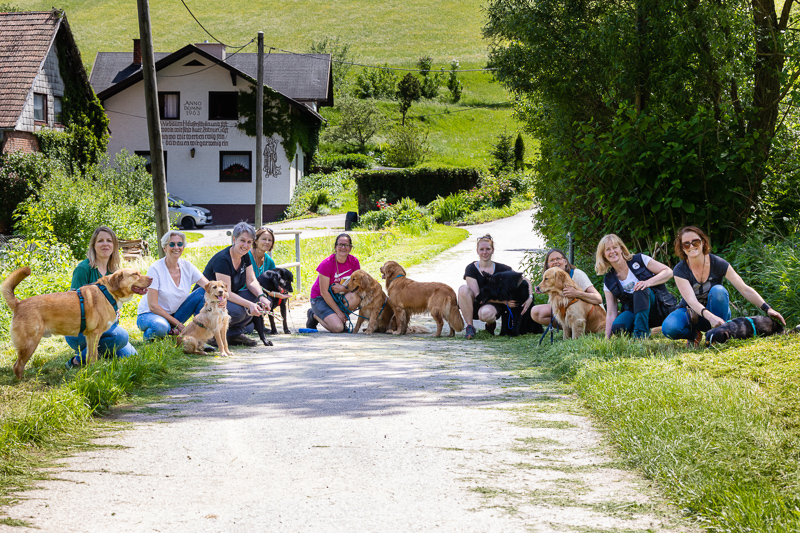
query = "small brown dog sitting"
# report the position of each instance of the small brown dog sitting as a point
(408, 297)
(374, 303)
(212, 321)
(575, 316)
(90, 312)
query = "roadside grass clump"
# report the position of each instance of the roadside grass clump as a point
(718, 428)
(406, 214)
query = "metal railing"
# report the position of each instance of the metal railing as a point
(296, 263)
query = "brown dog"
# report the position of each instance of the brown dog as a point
(212, 321)
(575, 316)
(408, 297)
(60, 313)
(374, 305)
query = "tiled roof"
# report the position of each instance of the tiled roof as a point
(298, 76)
(25, 39)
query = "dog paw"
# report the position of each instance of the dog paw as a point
(287, 331)
(268, 343)
(274, 332)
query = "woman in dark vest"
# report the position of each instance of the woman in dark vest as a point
(699, 278)
(636, 281)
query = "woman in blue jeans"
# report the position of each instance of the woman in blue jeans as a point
(102, 258)
(170, 301)
(636, 281)
(706, 302)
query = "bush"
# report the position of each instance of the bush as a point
(376, 83)
(494, 191)
(453, 83)
(407, 146)
(406, 214)
(450, 208)
(327, 163)
(71, 207)
(423, 185)
(502, 153)
(21, 175)
(430, 82)
(316, 193)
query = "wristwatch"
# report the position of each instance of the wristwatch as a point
(765, 307)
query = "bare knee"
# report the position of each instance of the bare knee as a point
(487, 313)
(541, 314)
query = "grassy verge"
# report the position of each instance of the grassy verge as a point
(494, 213)
(718, 429)
(51, 413)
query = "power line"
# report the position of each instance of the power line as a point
(208, 32)
(216, 63)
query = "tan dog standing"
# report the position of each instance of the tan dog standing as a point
(575, 316)
(212, 321)
(408, 297)
(374, 303)
(60, 313)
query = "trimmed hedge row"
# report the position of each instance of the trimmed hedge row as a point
(420, 184)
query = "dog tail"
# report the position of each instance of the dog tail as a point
(10, 283)
(453, 314)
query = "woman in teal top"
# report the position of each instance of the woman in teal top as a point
(102, 258)
(261, 254)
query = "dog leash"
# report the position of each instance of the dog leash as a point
(342, 303)
(550, 329)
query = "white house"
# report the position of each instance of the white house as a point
(210, 162)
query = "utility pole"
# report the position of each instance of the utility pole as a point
(260, 132)
(153, 123)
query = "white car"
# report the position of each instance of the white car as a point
(186, 215)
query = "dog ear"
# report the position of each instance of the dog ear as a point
(113, 283)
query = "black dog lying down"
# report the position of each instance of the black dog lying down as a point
(278, 280)
(509, 286)
(743, 328)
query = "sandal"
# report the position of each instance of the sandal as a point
(70, 364)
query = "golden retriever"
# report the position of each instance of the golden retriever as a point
(212, 321)
(575, 316)
(374, 305)
(60, 313)
(408, 297)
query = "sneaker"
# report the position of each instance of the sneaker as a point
(208, 348)
(241, 340)
(491, 327)
(469, 333)
(70, 364)
(311, 322)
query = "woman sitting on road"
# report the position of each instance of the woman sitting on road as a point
(261, 254)
(170, 300)
(556, 258)
(102, 258)
(474, 276)
(636, 281)
(332, 271)
(708, 298)
(232, 265)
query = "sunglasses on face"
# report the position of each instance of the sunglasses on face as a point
(174, 244)
(691, 244)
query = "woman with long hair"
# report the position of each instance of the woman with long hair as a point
(332, 271)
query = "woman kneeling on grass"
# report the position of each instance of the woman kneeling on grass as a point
(474, 276)
(102, 259)
(636, 281)
(556, 258)
(699, 278)
(332, 271)
(170, 301)
(232, 265)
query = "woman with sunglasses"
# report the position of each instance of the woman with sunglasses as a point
(170, 301)
(333, 270)
(699, 278)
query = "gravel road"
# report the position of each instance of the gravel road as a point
(330, 432)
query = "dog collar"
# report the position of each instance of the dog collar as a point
(399, 276)
(755, 331)
(200, 324)
(108, 296)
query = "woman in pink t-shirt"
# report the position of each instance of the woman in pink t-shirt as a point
(333, 270)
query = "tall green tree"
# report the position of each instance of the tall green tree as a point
(409, 91)
(651, 113)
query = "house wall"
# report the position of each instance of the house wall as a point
(48, 81)
(14, 141)
(197, 179)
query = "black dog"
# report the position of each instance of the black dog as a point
(277, 280)
(743, 328)
(504, 286)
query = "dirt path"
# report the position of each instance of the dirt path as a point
(352, 433)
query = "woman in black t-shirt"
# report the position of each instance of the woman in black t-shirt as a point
(699, 279)
(474, 276)
(232, 265)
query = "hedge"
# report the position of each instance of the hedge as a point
(420, 184)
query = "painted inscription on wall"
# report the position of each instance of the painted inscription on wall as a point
(195, 133)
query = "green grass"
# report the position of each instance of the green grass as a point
(192, 236)
(718, 429)
(397, 32)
